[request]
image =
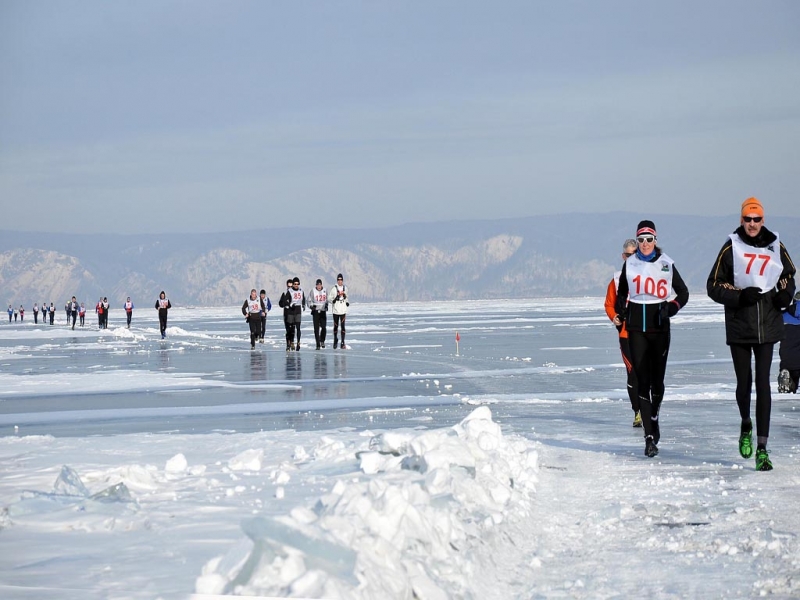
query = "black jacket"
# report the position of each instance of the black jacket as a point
(761, 323)
(790, 346)
(650, 317)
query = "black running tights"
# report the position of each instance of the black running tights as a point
(744, 382)
(649, 352)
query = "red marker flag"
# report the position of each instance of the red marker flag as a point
(458, 337)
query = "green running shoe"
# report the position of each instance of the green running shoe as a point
(637, 420)
(746, 444)
(763, 463)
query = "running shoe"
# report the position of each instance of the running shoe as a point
(784, 382)
(763, 463)
(637, 420)
(746, 443)
(650, 448)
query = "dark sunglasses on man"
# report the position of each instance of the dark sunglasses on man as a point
(753, 219)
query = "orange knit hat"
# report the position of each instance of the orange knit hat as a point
(752, 205)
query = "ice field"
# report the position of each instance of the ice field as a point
(192, 467)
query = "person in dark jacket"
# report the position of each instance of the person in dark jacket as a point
(643, 304)
(297, 304)
(789, 374)
(73, 311)
(252, 309)
(754, 279)
(163, 305)
(268, 307)
(285, 303)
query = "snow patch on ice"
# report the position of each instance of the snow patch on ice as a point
(404, 530)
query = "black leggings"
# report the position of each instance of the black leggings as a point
(292, 328)
(320, 326)
(649, 352)
(633, 390)
(337, 319)
(255, 328)
(744, 382)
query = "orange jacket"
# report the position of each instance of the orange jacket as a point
(611, 300)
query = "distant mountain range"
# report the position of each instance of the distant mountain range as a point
(553, 255)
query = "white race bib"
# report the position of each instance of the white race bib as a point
(756, 267)
(649, 282)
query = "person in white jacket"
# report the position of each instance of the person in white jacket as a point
(337, 296)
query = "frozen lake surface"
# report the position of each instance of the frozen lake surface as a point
(139, 468)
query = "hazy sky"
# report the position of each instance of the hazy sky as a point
(158, 116)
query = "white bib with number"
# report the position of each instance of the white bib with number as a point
(297, 297)
(756, 267)
(649, 282)
(254, 306)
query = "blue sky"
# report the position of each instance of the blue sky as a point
(166, 116)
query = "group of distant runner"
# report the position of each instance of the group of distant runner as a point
(753, 277)
(76, 313)
(294, 301)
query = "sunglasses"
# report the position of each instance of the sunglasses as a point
(649, 239)
(628, 254)
(753, 219)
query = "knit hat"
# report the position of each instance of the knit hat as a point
(296, 280)
(645, 227)
(319, 281)
(339, 276)
(752, 205)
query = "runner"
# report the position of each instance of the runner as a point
(99, 310)
(267, 307)
(285, 303)
(628, 250)
(128, 306)
(82, 313)
(337, 296)
(163, 305)
(318, 302)
(296, 308)
(753, 278)
(647, 280)
(252, 309)
(790, 349)
(73, 311)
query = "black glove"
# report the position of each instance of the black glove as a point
(782, 299)
(749, 296)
